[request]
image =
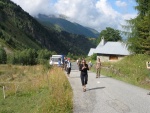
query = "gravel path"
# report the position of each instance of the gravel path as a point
(107, 95)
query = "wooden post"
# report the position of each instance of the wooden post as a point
(4, 92)
(16, 88)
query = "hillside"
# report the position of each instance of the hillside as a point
(62, 24)
(18, 30)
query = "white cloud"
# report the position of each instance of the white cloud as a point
(97, 14)
(120, 3)
(34, 7)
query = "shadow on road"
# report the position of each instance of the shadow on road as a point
(95, 88)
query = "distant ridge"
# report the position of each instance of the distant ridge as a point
(60, 23)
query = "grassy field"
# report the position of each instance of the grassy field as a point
(34, 89)
(131, 69)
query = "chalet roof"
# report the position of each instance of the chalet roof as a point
(91, 51)
(117, 48)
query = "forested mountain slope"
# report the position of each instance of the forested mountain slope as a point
(19, 30)
(62, 24)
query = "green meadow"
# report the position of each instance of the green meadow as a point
(132, 69)
(34, 89)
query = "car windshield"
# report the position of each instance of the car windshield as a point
(55, 59)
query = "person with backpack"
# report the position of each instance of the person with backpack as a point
(84, 74)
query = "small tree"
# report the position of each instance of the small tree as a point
(44, 55)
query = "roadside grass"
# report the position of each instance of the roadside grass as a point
(34, 89)
(131, 69)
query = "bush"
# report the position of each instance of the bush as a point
(93, 57)
(29, 57)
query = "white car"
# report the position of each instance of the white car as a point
(55, 58)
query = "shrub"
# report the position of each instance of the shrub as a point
(94, 57)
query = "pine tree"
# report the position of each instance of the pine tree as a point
(139, 39)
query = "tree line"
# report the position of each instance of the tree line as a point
(25, 57)
(30, 56)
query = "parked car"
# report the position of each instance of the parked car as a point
(55, 58)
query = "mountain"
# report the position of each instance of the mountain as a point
(61, 23)
(19, 30)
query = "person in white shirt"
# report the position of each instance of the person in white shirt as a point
(68, 67)
(90, 64)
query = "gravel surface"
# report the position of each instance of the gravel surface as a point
(107, 95)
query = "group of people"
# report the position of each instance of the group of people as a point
(84, 67)
(67, 65)
(84, 75)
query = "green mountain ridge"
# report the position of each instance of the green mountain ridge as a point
(19, 30)
(62, 24)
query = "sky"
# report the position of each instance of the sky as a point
(96, 14)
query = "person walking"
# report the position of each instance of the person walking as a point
(148, 67)
(59, 62)
(78, 62)
(84, 74)
(68, 67)
(90, 65)
(65, 63)
(98, 68)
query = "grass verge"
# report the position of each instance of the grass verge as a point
(34, 89)
(132, 69)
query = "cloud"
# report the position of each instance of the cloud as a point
(34, 7)
(97, 14)
(120, 3)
